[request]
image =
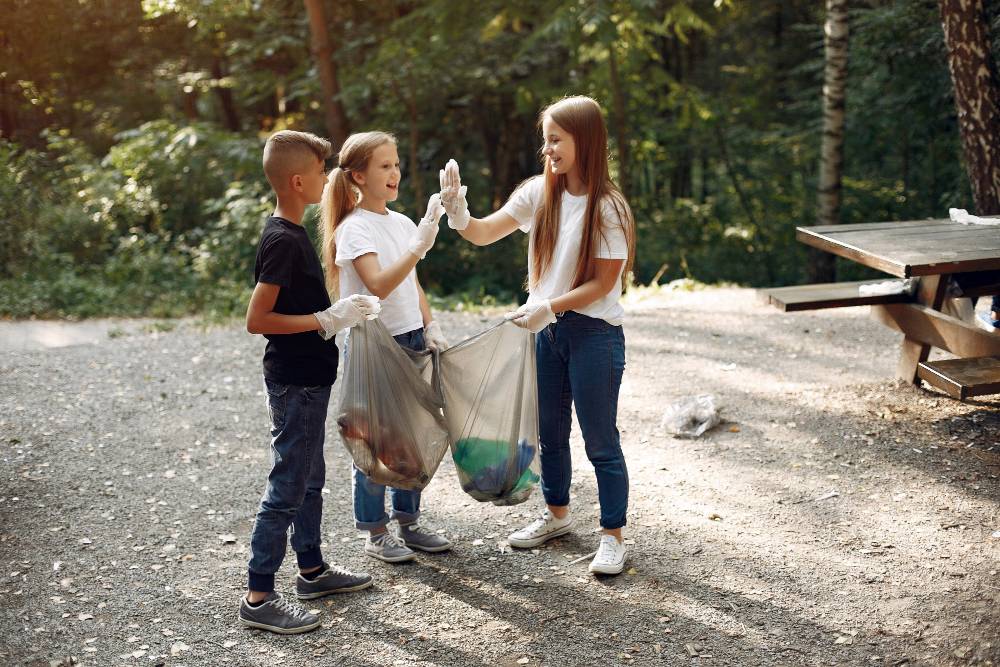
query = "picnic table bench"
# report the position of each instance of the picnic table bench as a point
(934, 252)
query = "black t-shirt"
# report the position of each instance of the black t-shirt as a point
(286, 257)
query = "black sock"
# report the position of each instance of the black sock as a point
(256, 604)
(315, 573)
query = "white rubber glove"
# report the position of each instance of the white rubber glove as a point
(453, 196)
(533, 316)
(427, 230)
(434, 338)
(346, 313)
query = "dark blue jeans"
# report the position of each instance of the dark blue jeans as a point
(581, 361)
(369, 496)
(294, 494)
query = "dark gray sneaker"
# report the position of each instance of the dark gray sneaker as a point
(334, 579)
(276, 614)
(387, 547)
(412, 536)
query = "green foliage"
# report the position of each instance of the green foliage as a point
(130, 165)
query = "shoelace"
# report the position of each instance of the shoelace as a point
(607, 549)
(389, 539)
(293, 610)
(540, 522)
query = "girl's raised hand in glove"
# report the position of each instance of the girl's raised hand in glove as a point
(428, 228)
(346, 313)
(453, 196)
(533, 316)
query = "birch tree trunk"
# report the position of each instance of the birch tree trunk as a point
(322, 52)
(977, 97)
(821, 266)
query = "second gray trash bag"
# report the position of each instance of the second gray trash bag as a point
(389, 417)
(491, 407)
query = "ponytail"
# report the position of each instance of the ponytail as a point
(339, 199)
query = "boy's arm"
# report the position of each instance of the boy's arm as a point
(261, 318)
(381, 282)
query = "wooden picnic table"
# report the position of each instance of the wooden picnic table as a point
(911, 248)
(932, 251)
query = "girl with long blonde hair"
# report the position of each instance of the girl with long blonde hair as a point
(581, 248)
(369, 249)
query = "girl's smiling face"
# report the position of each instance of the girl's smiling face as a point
(558, 146)
(380, 179)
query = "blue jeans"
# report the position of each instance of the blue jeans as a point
(294, 494)
(581, 361)
(369, 496)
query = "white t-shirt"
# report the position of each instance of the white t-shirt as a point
(388, 236)
(558, 277)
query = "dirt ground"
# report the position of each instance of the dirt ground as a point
(834, 518)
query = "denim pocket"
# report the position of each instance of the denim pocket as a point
(276, 399)
(587, 324)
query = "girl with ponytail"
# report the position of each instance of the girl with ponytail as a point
(369, 249)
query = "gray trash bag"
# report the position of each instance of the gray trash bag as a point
(491, 407)
(390, 417)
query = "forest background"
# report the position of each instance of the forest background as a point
(131, 131)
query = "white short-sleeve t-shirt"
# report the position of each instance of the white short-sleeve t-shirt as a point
(558, 278)
(388, 236)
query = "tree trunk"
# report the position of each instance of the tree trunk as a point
(621, 136)
(7, 124)
(414, 121)
(322, 52)
(977, 97)
(822, 267)
(226, 100)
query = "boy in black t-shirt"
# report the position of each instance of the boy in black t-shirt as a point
(291, 308)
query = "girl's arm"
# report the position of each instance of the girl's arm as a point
(433, 336)
(381, 282)
(538, 315)
(484, 231)
(606, 275)
(261, 318)
(425, 306)
(480, 231)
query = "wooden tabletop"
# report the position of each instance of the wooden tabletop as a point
(911, 248)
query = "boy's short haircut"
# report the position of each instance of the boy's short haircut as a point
(288, 152)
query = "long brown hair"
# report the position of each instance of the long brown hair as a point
(341, 196)
(581, 117)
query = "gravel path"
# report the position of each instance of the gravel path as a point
(834, 518)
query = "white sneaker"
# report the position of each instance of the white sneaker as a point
(610, 558)
(540, 531)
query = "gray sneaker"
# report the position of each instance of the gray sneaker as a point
(413, 537)
(334, 579)
(277, 614)
(387, 547)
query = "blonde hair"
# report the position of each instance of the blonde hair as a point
(341, 196)
(581, 117)
(287, 152)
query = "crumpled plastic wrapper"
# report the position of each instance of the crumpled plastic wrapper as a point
(691, 417)
(960, 215)
(888, 287)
